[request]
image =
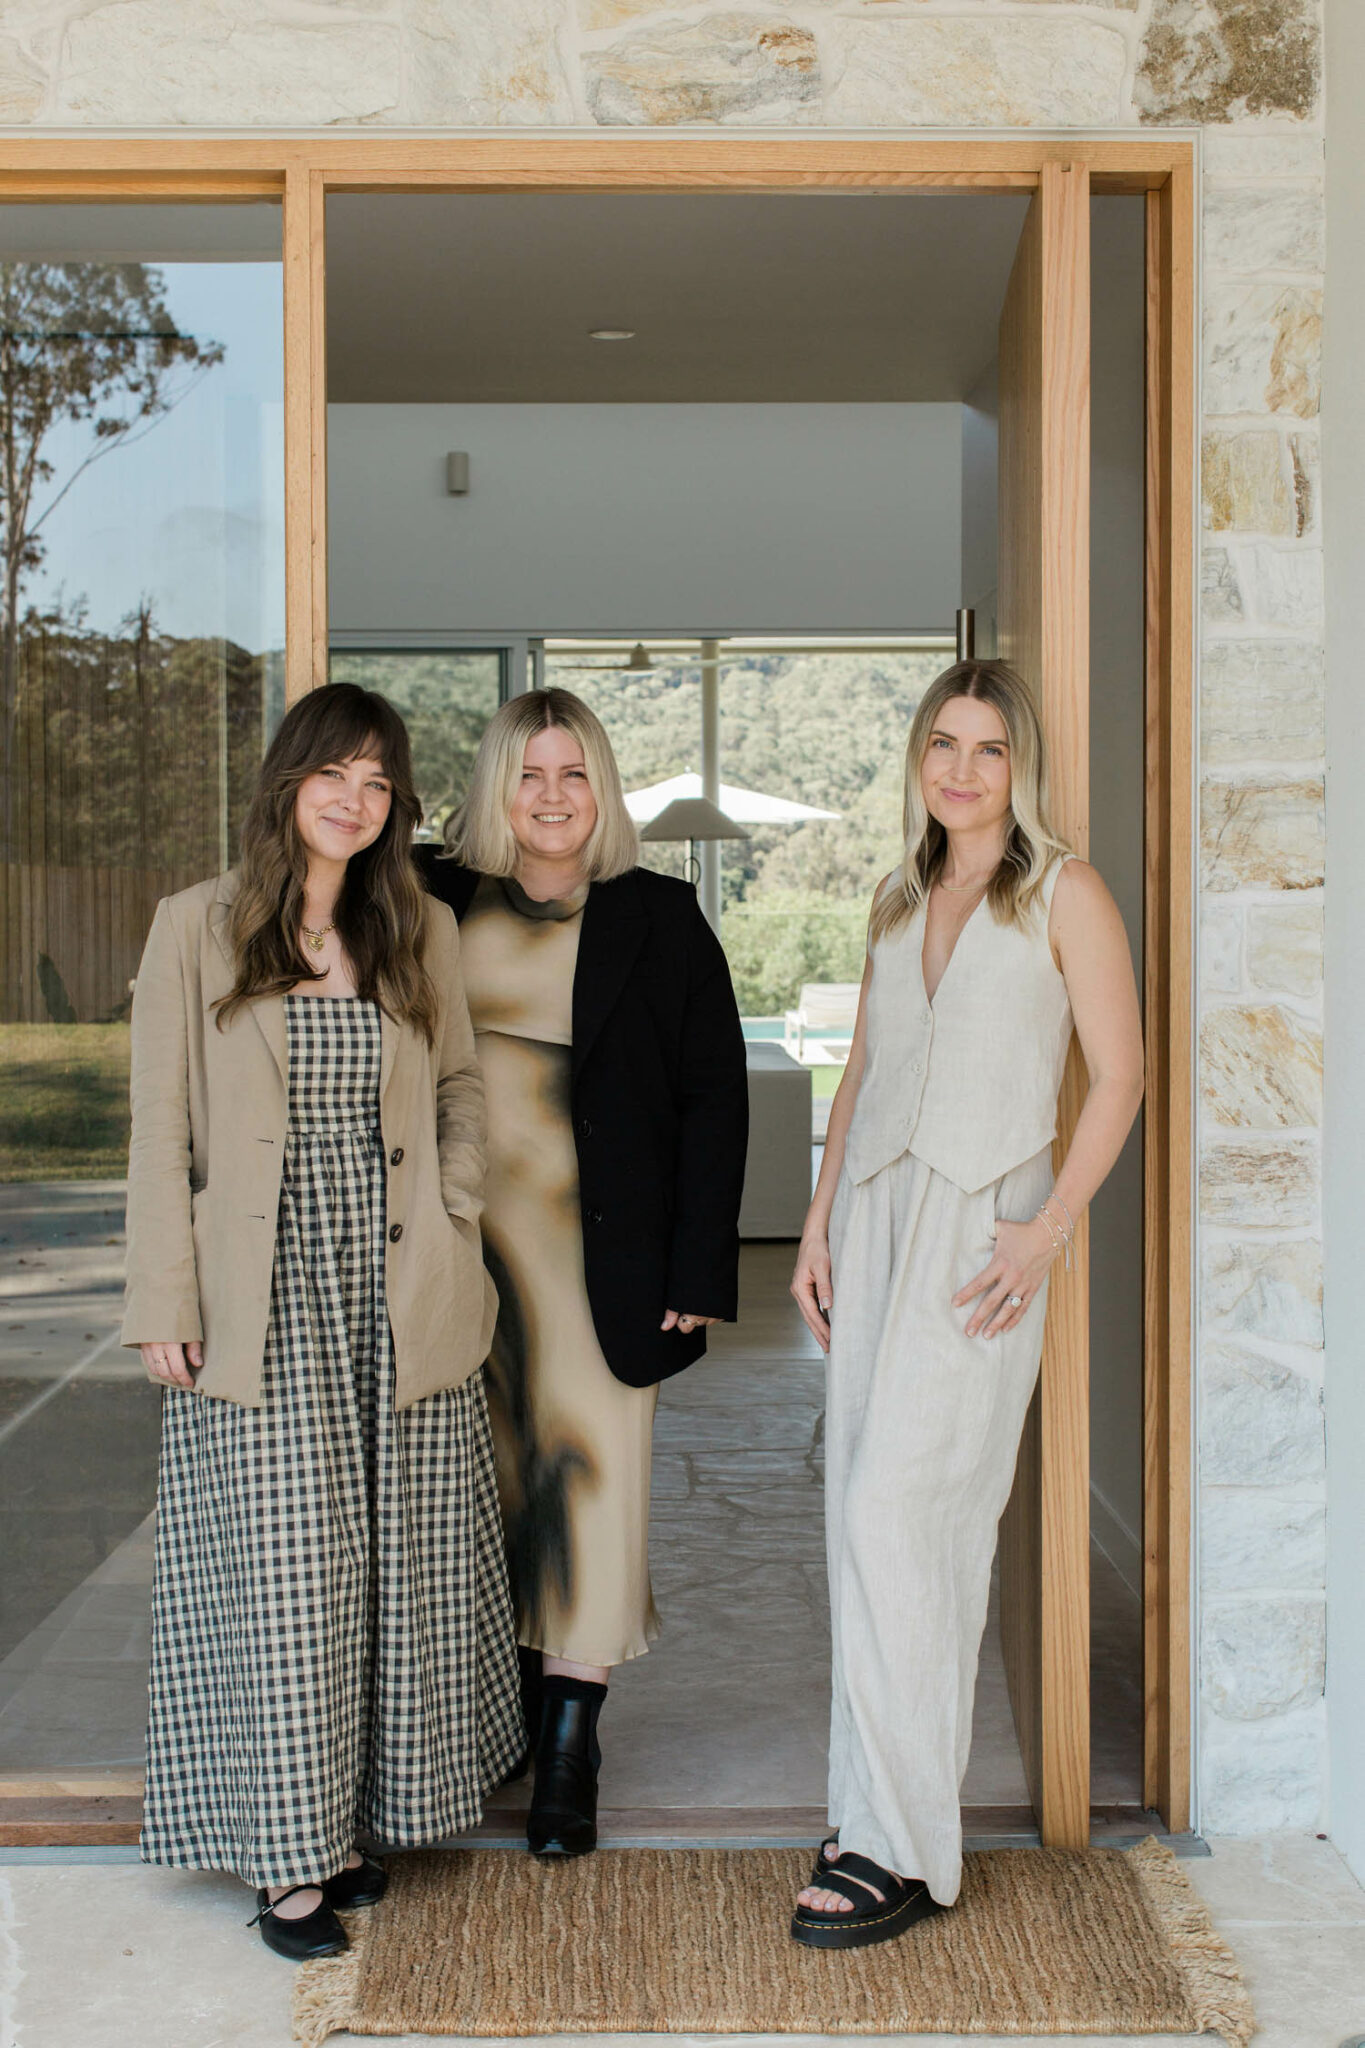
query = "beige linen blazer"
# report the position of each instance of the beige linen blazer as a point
(204, 1167)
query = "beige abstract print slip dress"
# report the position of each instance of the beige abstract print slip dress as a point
(952, 1129)
(573, 1444)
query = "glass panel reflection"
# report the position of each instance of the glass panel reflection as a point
(141, 664)
(447, 696)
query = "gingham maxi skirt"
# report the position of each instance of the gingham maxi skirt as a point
(332, 1639)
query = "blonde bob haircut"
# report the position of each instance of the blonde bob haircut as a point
(480, 835)
(1031, 844)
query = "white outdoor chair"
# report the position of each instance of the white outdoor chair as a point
(821, 1006)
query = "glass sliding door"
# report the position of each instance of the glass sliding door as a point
(141, 667)
(447, 696)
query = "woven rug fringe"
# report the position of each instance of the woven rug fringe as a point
(325, 1996)
(1217, 1993)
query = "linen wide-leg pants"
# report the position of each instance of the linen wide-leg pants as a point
(923, 1430)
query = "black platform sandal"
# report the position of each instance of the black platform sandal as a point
(363, 1886)
(902, 1903)
(314, 1934)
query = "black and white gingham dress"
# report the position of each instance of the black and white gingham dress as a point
(332, 1641)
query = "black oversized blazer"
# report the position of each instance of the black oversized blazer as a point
(660, 1108)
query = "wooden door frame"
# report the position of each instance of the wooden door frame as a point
(301, 172)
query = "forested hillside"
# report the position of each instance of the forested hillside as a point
(826, 729)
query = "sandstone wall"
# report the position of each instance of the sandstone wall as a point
(1247, 71)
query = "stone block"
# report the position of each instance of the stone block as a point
(1262, 349)
(1284, 947)
(1273, 153)
(1225, 60)
(485, 63)
(1260, 1068)
(725, 67)
(1220, 948)
(212, 63)
(1259, 1777)
(1260, 1420)
(1246, 483)
(1261, 700)
(1254, 1184)
(1220, 592)
(1261, 1657)
(22, 84)
(1249, 227)
(1260, 1539)
(1261, 834)
(979, 71)
(1282, 587)
(1271, 1291)
(1306, 471)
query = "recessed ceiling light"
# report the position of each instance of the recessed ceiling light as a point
(611, 334)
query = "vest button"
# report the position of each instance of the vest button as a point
(395, 1232)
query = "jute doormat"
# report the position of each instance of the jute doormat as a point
(1042, 1941)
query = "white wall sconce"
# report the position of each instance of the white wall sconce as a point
(457, 474)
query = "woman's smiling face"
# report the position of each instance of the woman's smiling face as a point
(343, 808)
(554, 809)
(965, 774)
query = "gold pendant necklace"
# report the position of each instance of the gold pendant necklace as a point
(316, 939)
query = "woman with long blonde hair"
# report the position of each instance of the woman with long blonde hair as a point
(614, 1066)
(332, 1648)
(923, 1268)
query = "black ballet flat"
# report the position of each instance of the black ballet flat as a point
(318, 1933)
(901, 1905)
(363, 1886)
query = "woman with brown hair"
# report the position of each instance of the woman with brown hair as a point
(332, 1646)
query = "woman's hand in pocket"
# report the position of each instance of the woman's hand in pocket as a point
(812, 1288)
(173, 1365)
(1004, 1290)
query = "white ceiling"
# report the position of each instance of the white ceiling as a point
(734, 298)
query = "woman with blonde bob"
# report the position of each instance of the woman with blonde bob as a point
(613, 1063)
(923, 1268)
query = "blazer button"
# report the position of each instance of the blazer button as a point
(584, 1127)
(594, 1215)
(395, 1232)
(396, 1156)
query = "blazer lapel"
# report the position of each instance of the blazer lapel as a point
(615, 926)
(268, 1011)
(388, 1049)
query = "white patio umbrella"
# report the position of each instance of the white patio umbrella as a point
(745, 806)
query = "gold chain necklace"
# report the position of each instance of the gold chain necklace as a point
(316, 939)
(964, 888)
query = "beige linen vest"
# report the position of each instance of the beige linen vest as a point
(969, 1082)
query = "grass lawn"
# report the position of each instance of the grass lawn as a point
(63, 1101)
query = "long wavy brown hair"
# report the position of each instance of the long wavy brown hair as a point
(380, 913)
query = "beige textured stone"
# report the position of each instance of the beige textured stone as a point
(1221, 60)
(1263, 1656)
(1261, 1422)
(1284, 947)
(1220, 947)
(1261, 700)
(1262, 349)
(1249, 227)
(1235, 153)
(211, 62)
(1251, 1183)
(1252, 1539)
(1282, 587)
(979, 71)
(726, 67)
(485, 63)
(1246, 482)
(1220, 592)
(22, 85)
(1268, 1775)
(1305, 461)
(1260, 1068)
(1273, 1291)
(1261, 835)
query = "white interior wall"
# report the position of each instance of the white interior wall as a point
(1343, 445)
(587, 519)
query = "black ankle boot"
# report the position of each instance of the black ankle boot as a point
(563, 1816)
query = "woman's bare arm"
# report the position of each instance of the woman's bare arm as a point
(811, 1285)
